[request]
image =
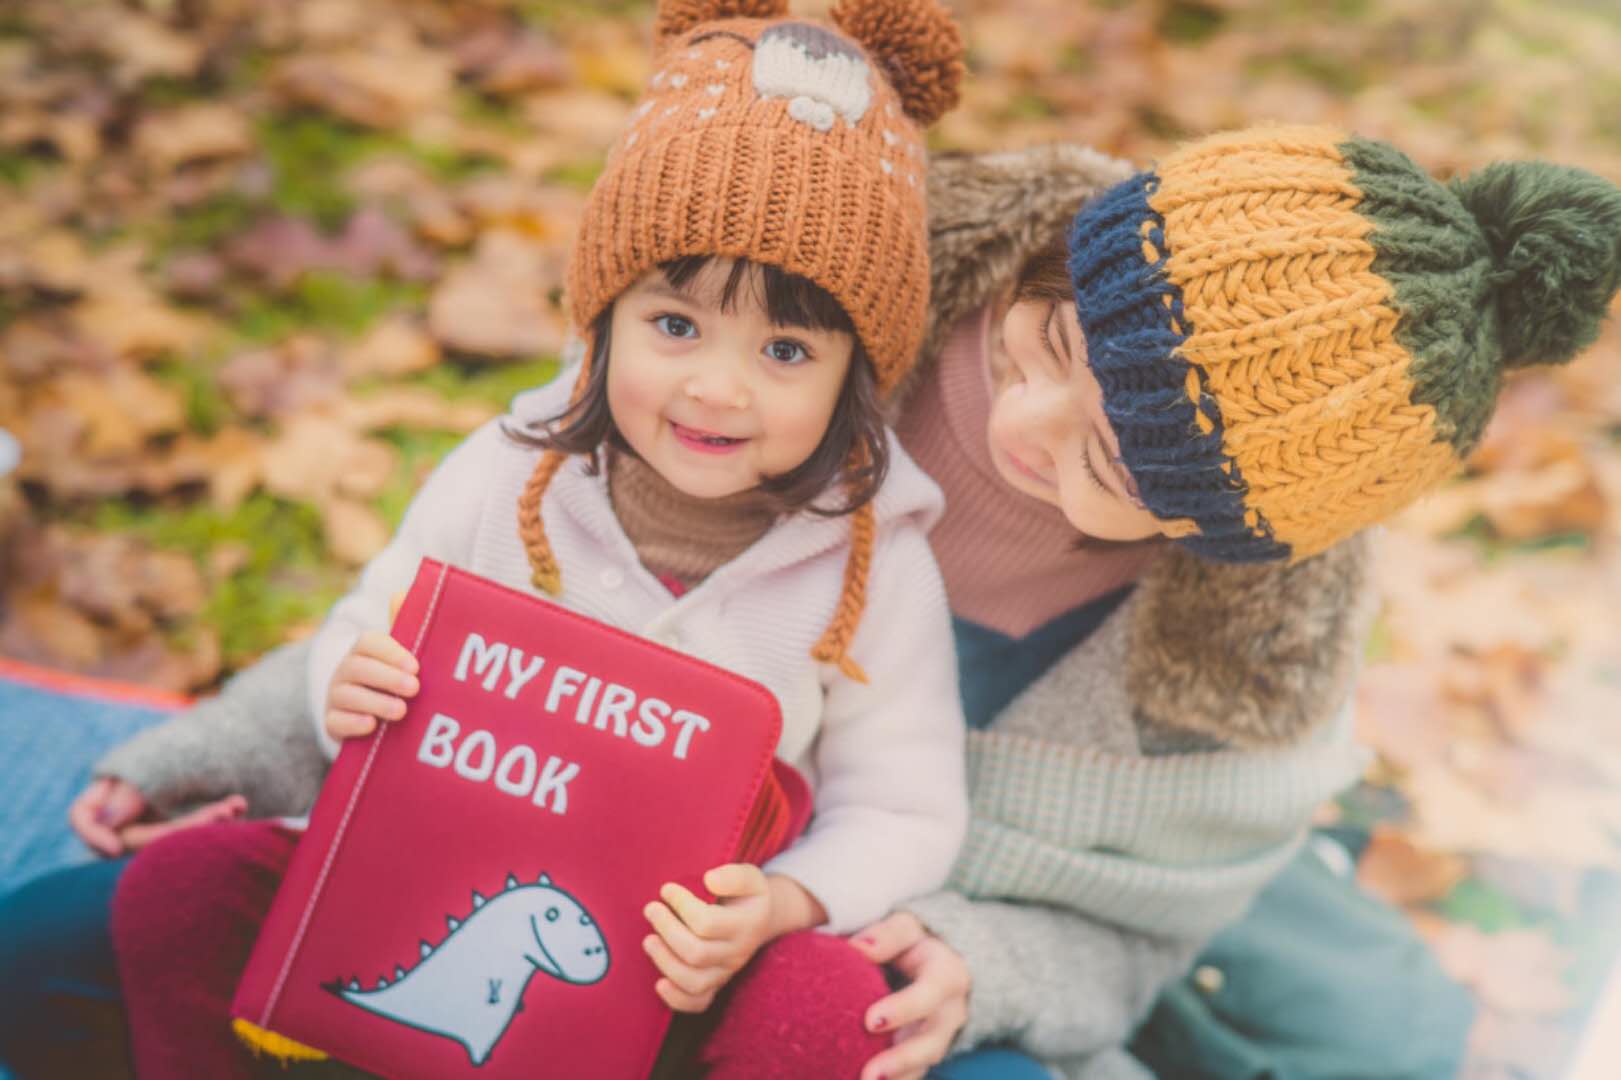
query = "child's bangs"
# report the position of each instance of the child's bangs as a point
(789, 299)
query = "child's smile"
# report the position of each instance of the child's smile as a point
(711, 393)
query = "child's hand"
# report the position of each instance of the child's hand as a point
(106, 813)
(371, 684)
(697, 946)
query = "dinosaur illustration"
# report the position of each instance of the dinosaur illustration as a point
(471, 984)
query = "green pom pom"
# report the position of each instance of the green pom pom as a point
(1555, 236)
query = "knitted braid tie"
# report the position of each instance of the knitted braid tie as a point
(546, 575)
(833, 648)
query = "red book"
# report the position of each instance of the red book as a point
(468, 898)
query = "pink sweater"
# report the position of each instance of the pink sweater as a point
(1008, 565)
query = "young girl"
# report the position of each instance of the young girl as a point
(751, 279)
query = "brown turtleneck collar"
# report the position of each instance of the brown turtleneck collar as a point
(677, 535)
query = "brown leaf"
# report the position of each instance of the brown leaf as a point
(136, 323)
(412, 407)
(397, 345)
(56, 260)
(167, 139)
(300, 372)
(139, 47)
(364, 84)
(502, 60)
(38, 629)
(316, 455)
(280, 249)
(152, 661)
(496, 304)
(35, 346)
(354, 532)
(1399, 870)
(368, 468)
(118, 411)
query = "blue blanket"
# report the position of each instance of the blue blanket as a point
(50, 735)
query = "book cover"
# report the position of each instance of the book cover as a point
(468, 898)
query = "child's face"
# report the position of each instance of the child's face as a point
(718, 400)
(1048, 433)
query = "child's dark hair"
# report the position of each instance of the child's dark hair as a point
(853, 453)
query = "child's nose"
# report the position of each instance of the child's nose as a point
(718, 387)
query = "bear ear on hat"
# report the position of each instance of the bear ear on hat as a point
(675, 17)
(918, 45)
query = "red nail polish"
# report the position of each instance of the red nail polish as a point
(867, 939)
(879, 1023)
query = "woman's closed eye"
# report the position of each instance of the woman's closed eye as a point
(676, 326)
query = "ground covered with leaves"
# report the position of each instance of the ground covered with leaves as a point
(262, 262)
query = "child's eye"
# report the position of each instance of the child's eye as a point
(787, 351)
(676, 326)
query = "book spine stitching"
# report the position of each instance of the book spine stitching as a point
(343, 824)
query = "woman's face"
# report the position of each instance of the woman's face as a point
(1048, 433)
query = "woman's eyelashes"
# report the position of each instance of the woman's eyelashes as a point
(1059, 364)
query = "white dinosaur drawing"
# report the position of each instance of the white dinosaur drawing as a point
(471, 985)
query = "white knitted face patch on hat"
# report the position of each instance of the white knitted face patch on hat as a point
(820, 74)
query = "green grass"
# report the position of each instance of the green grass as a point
(207, 224)
(492, 384)
(284, 580)
(324, 300)
(17, 167)
(309, 155)
(1189, 23)
(1485, 907)
(579, 175)
(1495, 547)
(197, 380)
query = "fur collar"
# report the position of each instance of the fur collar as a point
(1245, 655)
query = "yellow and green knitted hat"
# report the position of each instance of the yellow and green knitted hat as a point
(1298, 332)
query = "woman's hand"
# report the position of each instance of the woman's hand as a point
(107, 816)
(927, 1013)
(371, 684)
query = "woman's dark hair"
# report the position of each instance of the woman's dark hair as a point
(1044, 278)
(853, 453)
(1045, 274)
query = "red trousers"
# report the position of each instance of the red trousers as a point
(188, 908)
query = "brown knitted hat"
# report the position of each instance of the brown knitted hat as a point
(787, 143)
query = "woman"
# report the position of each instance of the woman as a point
(1168, 657)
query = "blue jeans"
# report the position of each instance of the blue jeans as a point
(995, 1063)
(60, 1011)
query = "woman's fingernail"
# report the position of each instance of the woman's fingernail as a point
(104, 816)
(878, 1024)
(867, 939)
